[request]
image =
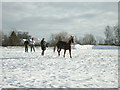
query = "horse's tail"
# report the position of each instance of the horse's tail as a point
(55, 48)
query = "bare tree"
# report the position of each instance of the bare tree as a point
(117, 34)
(5, 41)
(112, 35)
(78, 40)
(62, 36)
(99, 40)
(23, 35)
(109, 34)
(89, 39)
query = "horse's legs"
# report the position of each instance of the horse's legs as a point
(64, 52)
(58, 51)
(70, 53)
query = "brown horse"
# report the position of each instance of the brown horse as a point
(64, 45)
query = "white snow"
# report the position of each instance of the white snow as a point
(105, 47)
(77, 46)
(88, 68)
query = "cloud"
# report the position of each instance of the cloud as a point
(42, 19)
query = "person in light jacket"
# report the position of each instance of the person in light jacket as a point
(32, 44)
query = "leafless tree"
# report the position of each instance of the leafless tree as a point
(117, 34)
(89, 39)
(54, 38)
(100, 40)
(109, 34)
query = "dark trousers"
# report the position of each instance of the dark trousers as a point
(26, 48)
(43, 52)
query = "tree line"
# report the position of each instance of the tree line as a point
(15, 38)
(112, 37)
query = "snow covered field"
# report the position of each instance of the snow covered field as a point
(89, 68)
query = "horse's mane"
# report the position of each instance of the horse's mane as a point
(67, 40)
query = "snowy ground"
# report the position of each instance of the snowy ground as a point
(89, 68)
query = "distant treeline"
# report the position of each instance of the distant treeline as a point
(15, 38)
(112, 37)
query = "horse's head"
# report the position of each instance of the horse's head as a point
(71, 40)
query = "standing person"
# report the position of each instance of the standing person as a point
(32, 43)
(43, 45)
(26, 43)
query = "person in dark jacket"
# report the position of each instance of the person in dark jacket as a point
(43, 45)
(26, 43)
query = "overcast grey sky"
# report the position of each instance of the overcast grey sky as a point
(41, 19)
